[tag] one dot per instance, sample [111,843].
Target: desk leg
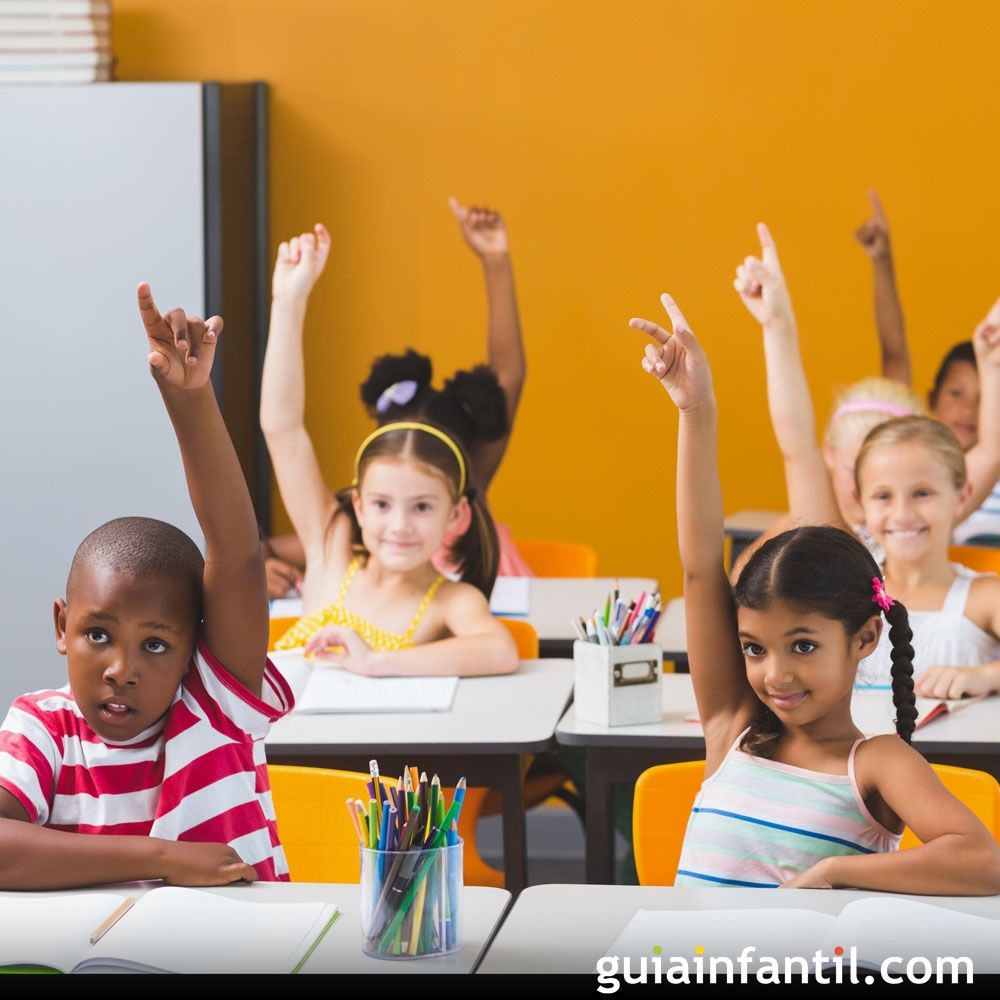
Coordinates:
[515,827]
[599,833]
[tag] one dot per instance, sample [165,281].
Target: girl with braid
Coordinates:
[794,794]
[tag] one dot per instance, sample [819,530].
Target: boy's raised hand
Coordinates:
[483,229]
[676,360]
[873,233]
[181,347]
[761,284]
[300,263]
[986,338]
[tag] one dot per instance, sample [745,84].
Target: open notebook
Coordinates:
[878,927]
[167,930]
[324,688]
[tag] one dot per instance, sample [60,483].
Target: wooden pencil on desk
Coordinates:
[120,911]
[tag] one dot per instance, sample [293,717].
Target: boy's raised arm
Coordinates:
[235,614]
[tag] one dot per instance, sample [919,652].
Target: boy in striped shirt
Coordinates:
[156,745]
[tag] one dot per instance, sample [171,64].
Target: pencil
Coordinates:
[120,911]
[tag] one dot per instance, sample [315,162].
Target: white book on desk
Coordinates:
[511,597]
[323,688]
[878,927]
[167,930]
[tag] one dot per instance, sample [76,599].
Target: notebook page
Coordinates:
[777,933]
[184,930]
[335,690]
[511,596]
[53,931]
[886,926]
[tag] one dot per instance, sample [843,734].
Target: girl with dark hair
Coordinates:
[476,406]
[371,596]
[794,794]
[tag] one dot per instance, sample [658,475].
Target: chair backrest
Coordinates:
[977,789]
[558,558]
[279,626]
[316,832]
[525,637]
[979,558]
[664,796]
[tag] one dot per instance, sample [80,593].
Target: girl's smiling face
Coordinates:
[405,510]
[802,665]
[909,499]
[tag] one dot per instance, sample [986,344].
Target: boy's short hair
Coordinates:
[142,547]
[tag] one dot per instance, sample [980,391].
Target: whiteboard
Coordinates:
[100,188]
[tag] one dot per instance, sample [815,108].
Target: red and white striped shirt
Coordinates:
[198,774]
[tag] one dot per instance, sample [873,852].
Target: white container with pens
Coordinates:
[618,666]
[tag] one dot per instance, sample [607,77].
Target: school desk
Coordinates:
[553,604]
[493,725]
[340,950]
[745,526]
[566,928]
[619,754]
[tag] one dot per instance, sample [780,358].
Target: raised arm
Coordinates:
[304,493]
[479,645]
[486,235]
[982,461]
[725,698]
[235,617]
[873,235]
[761,286]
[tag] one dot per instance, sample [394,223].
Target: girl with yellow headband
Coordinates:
[371,595]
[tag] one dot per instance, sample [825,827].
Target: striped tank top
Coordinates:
[760,823]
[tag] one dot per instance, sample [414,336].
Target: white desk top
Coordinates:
[974,730]
[340,950]
[515,713]
[566,928]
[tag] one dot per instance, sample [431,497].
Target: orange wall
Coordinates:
[632,145]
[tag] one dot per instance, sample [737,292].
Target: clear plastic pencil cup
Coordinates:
[411,902]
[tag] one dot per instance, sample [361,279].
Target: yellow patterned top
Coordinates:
[336,614]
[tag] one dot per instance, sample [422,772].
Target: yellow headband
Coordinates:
[409,425]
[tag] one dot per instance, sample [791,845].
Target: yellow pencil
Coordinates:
[354,819]
[418,917]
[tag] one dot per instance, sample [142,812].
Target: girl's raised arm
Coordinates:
[725,698]
[762,288]
[304,493]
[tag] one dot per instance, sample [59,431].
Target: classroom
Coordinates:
[357,563]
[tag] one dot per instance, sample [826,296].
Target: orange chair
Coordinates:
[279,626]
[315,829]
[979,558]
[665,794]
[558,558]
[977,789]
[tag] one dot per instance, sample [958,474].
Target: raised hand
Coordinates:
[181,347]
[300,263]
[986,338]
[483,229]
[676,360]
[761,284]
[873,233]
[194,864]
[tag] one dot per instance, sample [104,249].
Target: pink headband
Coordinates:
[871,406]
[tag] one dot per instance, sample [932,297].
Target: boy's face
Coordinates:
[128,643]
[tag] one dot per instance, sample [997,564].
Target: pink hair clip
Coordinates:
[879,596]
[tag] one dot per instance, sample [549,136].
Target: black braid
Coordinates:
[763,735]
[900,635]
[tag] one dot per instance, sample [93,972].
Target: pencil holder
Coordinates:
[618,685]
[411,902]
